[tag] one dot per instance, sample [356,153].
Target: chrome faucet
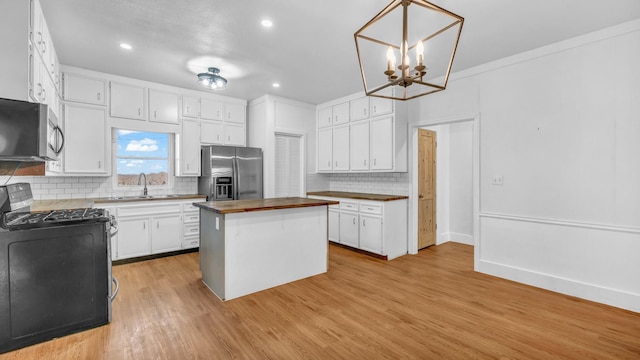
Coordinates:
[145,192]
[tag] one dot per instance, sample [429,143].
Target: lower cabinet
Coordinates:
[379,227]
[154,227]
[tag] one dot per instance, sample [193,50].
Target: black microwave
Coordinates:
[28,132]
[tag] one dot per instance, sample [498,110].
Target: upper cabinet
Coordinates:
[83,89]
[163,106]
[127,101]
[235,113]
[85,150]
[372,137]
[190,106]
[211,109]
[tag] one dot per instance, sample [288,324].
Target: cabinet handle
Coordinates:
[364,222]
[328,163]
[364,111]
[365,163]
[144,226]
[229,138]
[336,164]
[187,166]
[374,109]
[374,161]
[188,109]
[44,94]
[99,95]
[157,224]
[354,221]
[218,113]
[139,111]
[155,114]
[99,164]
[218,137]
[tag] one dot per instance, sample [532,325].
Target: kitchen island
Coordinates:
[252,245]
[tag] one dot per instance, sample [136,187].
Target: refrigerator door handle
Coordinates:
[236,179]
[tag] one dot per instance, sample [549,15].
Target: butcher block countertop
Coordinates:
[237,206]
[358,196]
[62,204]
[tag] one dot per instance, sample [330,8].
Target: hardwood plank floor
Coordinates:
[426,306]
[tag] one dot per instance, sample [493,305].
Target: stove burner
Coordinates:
[27,220]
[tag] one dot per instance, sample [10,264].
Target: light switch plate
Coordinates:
[498,180]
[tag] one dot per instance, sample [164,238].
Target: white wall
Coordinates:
[560,124]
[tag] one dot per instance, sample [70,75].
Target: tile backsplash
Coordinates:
[376,183]
[68,187]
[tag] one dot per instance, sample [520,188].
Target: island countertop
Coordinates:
[358,196]
[237,206]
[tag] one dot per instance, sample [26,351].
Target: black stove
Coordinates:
[16,220]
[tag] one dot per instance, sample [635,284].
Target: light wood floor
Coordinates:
[427,306]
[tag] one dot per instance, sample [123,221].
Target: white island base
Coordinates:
[245,252]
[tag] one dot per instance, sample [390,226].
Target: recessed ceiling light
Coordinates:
[266,23]
[126,46]
[276,85]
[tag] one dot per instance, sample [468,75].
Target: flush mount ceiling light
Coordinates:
[212,79]
[432,29]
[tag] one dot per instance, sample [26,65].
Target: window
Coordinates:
[142,152]
[289,166]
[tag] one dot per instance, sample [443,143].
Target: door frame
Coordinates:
[303,155]
[413,174]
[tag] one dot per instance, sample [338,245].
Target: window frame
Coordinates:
[170,163]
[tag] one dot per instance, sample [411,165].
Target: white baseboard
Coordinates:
[582,290]
[461,238]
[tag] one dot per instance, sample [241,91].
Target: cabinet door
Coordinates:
[35,85]
[133,237]
[359,145]
[211,109]
[334,225]
[190,106]
[235,113]
[163,106]
[127,101]
[85,139]
[382,136]
[371,233]
[190,148]
[166,233]
[83,89]
[234,134]
[341,148]
[349,227]
[360,108]
[325,149]
[325,117]
[211,132]
[341,113]
[381,106]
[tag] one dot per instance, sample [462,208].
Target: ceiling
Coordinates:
[309,51]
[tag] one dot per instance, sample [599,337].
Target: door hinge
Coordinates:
[436,226]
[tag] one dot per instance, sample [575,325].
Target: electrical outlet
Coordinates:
[497,180]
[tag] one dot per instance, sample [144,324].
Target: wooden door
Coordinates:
[426,188]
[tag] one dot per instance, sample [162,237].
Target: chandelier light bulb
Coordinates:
[419,52]
[391,59]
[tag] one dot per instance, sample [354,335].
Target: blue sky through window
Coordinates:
[142,151]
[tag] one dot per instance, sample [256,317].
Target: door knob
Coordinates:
[420,196]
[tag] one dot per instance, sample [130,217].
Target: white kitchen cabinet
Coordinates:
[341,113]
[211,109]
[149,227]
[234,134]
[189,149]
[359,108]
[83,89]
[359,145]
[191,219]
[127,101]
[334,225]
[325,117]
[190,106]
[211,132]
[325,149]
[349,228]
[341,148]
[133,237]
[235,113]
[380,106]
[166,233]
[385,149]
[379,227]
[85,149]
[163,106]
[382,135]
[371,233]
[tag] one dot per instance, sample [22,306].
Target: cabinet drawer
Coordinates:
[191,217]
[190,207]
[190,242]
[349,205]
[191,229]
[370,208]
[149,210]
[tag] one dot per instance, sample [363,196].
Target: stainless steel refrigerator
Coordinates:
[230,173]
